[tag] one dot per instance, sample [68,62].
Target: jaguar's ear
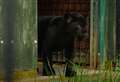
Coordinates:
[68,17]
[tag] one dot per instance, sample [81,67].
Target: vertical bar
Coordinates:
[111,8]
[1,34]
[91,33]
[26,35]
[9,26]
[102,30]
[114,31]
[94,34]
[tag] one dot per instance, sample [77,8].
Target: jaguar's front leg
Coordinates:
[69,68]
[47,64]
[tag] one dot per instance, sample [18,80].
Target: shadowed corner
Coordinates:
[9,26]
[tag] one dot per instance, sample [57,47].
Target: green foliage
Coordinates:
[90,75]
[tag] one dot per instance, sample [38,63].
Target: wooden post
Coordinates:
[91,34]
[94,34]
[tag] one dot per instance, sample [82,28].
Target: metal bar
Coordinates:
[9,25]
[102,30]
[91,34]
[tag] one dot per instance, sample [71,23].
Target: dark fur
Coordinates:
[57,33]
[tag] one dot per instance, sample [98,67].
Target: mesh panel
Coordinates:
[58,8]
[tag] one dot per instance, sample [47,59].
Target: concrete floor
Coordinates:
[59,68]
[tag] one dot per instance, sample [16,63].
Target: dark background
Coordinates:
[59,7]
[118,26]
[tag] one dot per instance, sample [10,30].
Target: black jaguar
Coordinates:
[56,33]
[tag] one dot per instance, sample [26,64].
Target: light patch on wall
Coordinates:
[35,41]
[24,37]
[25,5]
[1,41]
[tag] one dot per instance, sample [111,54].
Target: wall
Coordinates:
[59,7]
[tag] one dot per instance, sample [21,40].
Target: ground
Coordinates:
[83,75]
